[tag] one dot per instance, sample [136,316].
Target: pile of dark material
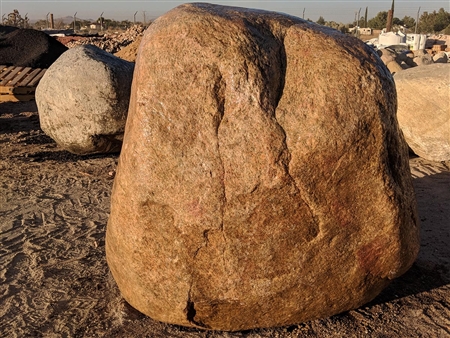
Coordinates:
[29,48]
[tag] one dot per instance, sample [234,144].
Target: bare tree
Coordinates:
[16,20]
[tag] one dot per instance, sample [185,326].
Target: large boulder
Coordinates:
[83,100]
[424,110]
[263,178]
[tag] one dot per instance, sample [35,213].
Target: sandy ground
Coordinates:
[54,280]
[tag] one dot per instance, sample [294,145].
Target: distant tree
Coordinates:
[408,22]
[343,28]
[425,23]
[16,20]
[434,22]
[442,20]
[379,21]
[40,24]
[446,31]
[108,23]
[84,23]
[361,22]
[397,21]
[60,24]
[125,24]
[338,26]
[321,21]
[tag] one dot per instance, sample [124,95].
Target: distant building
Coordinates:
[94,26]
[365,31]
[360,31]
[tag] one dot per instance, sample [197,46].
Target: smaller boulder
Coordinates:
[424,110]
[423,60]
[83,100]
[394,67]
[440,57]
[387,55]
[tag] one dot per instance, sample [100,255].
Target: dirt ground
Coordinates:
[54,280]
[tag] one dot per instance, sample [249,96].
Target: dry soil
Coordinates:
[54,280]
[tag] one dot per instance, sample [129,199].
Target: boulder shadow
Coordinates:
[21,117]
[62,156]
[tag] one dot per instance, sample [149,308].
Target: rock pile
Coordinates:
[29,48]
[398,60]
[111,43]
[254,187]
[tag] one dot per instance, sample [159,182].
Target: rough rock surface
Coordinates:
[29,48]
[254,188]
[424,60]
[83,100]
[424,110]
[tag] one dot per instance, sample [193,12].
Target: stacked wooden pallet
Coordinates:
[19,83]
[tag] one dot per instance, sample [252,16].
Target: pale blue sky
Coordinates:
[336,10]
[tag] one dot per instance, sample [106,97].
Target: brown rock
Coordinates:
[394,67]
[424,60]
[424,110]
[259,183]
[387,55]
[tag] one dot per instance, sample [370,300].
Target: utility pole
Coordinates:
[74,21]
[144,17]
[417,21]
[46,17]
[390,18]
[101,22]
[303,13]
[389,21]
[365,18]
[134,18]
[359,13]
[356,13]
